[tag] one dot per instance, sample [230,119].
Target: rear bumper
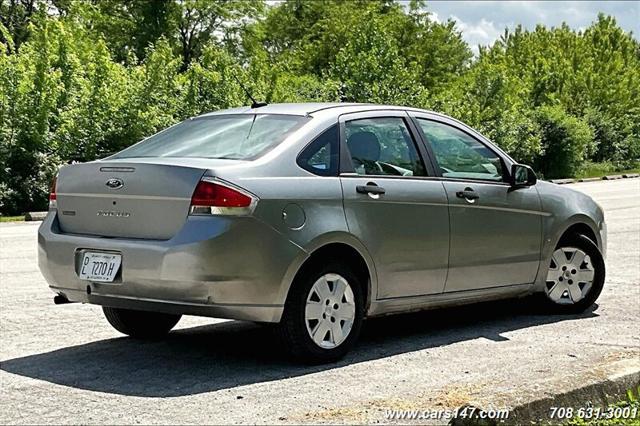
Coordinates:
[214,266]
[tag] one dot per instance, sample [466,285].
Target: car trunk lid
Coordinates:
[125,199]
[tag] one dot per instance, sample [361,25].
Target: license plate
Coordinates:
[101,267]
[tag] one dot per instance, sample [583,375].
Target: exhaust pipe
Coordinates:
[60,299]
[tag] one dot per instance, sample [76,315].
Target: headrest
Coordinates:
[364,146]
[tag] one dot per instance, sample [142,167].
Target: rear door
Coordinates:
[392,204]
[495,230]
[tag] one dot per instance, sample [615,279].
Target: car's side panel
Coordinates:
[496,240]
[301,208]
[406,231]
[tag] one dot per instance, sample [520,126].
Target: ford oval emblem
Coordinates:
[114,183]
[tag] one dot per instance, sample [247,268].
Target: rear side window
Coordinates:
[235,137]
[321,156]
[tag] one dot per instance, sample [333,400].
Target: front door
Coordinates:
[391,204]
[495,230]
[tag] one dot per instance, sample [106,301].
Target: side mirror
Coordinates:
[522,176]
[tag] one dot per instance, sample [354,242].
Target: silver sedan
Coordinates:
[314,216]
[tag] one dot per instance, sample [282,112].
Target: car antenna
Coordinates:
[254,104]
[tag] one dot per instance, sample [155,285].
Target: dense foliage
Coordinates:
[81,79]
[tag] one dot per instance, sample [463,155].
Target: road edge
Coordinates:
[594,179]
[601,394]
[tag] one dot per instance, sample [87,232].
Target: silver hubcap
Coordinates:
[330,311]
[570,276]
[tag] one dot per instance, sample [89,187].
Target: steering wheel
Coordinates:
[387,169]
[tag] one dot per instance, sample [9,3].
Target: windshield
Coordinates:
[236,137]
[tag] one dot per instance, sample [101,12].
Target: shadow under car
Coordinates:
[226,355]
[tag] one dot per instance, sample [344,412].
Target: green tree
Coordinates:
[29,96]
[128,27]
[311,35]
[436,48]
[201,21]
[372,69]
[567,142]
[15,16]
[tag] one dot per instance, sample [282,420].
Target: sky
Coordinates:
[482,22]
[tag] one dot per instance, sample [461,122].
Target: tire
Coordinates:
[295,328]
[140,324]
[574,278]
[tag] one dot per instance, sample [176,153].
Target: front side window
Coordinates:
[460,155]
[382,146]
[235,137]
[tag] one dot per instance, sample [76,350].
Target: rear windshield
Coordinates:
[236,137]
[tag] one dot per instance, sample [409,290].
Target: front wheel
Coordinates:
[140,324]
[323,314]
[575,276]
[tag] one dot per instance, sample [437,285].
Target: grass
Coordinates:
[602,169]
[12,218]
[630,406]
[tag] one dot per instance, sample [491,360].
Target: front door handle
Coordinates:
[468,194]
[371,189]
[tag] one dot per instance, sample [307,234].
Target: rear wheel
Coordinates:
[575,276]
[323,314]
[140,324]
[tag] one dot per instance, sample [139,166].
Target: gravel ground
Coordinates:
[64,364]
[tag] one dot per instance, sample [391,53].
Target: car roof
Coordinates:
[308,108]
[334,109]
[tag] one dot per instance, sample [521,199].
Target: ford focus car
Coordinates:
[314,216]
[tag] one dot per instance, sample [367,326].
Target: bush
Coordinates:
[591,169]
[567,142]
[617,139]
[517,134]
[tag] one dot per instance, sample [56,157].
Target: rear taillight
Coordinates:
[53,198]
[213,197]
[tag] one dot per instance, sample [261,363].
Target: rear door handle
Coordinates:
[370,189]
[468,194]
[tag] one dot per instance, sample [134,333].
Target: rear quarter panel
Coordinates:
[307,210]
